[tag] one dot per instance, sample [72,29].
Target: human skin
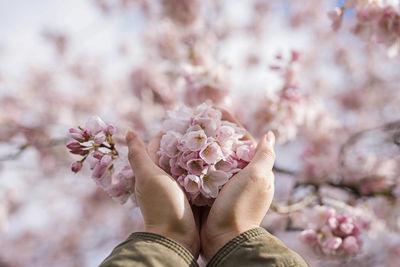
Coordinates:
[240,206]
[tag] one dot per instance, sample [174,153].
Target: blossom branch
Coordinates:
[22,148]
[296,206]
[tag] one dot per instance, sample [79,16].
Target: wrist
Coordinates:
[212,241]
[186,240]
[215,240]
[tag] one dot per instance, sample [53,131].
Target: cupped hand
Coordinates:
[165,208]
[243,201]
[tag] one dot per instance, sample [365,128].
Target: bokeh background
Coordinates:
[325,80]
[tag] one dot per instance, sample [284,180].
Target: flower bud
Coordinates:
[73,145]
[97,154]
[87,134]
[101,166]
[346,227]
[109,130]
[79,152]
[76,134]
[333,223]
[350,245]
[308,236]
[95,125]
[333,243]
[99,138]
[76,166]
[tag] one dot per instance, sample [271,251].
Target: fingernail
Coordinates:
[270,138]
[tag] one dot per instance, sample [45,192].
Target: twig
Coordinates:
[294,207]
[284,171]
[23,147]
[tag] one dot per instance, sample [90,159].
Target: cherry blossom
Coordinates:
[333,234]
[202,151]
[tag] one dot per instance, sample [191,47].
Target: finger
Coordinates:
[228,117]
[154,146]
[138,157]
[264,157]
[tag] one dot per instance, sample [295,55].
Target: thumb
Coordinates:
[265,154]
[137,155]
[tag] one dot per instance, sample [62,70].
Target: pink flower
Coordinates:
[331,231]
[224,165]
[169,142]
[209,112]
[192,183]
[95,125]
[76,166]
[350,245]
[212,181]
[100,172]
[212,153]
[245,152]
[79,151]
[99,138]
[225,133]
[195,140]
[98,154]
[92,161]
[347,227]
[333,243]
[336,17]
[329,213]
[308,236]
[184,157]
[176,170]
[209,125]
[195,166]
[74,145]
[122,186]
[77,134]
[333,223]
[229,166]
[109,130]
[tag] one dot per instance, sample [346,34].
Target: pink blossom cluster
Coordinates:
[371,162]
[283,110]
[376,19]
[202,151]
[333,234]
[109,166]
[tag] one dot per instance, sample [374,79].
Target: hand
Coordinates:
[165,208]
[243,201]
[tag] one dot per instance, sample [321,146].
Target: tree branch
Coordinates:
[22,148]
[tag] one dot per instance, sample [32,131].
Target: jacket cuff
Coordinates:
[172,245]
[236,243]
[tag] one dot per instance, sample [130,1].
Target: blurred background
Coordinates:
[324,75]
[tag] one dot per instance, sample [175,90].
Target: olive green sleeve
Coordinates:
[150,250]
[256,247]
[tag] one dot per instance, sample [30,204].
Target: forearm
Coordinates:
[151,250]
[256,247]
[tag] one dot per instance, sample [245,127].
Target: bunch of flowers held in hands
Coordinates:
[333,234]
[202,151]
[199,149]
